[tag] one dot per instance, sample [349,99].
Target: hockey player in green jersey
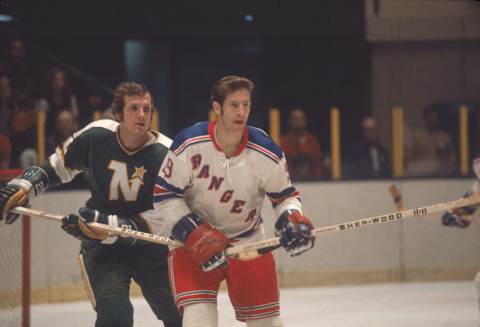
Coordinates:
[122,160]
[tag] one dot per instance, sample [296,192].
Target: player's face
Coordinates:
[137,114]
[235,110]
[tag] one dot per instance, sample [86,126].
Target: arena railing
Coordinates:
[398,155]
[335,134]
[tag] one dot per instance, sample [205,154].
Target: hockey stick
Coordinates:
[123,231]
[397,197]
[253,250]
[111,230]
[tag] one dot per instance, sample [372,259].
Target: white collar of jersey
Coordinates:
[132,152]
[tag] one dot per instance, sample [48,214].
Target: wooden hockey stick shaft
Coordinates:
[253,250]
[397,197]
[398,200]
[122,231]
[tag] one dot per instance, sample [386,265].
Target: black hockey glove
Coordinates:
[453,220]
[460,217]
[77,226]
[32,181]
[294,229]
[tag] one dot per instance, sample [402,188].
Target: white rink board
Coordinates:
[419,244]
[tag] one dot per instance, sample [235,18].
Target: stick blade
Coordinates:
[397,197]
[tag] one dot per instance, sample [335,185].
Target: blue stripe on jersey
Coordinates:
[199,129]
[262,151]
[259,137]
[190,142]
[285,192]
[169,187]
[163,197]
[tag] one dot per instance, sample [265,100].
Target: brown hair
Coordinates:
[127,89]
[228,84]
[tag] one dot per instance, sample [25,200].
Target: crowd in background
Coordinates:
[27,88]
[429,151]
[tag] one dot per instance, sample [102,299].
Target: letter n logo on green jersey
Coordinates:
[120,183]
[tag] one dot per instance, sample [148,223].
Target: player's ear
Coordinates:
[216,107]
[119,115]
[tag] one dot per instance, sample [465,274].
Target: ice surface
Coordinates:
[445,304]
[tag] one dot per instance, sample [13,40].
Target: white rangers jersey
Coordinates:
[228,193]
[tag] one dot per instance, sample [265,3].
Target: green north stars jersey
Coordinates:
[121,181]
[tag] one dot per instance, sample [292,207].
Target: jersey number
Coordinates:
[167,170]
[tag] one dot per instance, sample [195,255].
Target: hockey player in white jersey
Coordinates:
[462,217]
[209,194]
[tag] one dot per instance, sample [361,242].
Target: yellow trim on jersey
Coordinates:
[86,282]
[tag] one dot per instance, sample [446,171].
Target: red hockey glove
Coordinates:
[205,246]
[202,242]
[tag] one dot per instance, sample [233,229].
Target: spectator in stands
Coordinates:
[93,103]
[15,65]
[58,96]
[66,125]
[304,166]
[432,152]
[302,150]
[6,114]
[367,158]
[5,151]
[24,132]
[6,104]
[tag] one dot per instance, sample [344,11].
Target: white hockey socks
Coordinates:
[266,322]
[200,315]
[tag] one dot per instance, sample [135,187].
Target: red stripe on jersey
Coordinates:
[159,190]
[243,143]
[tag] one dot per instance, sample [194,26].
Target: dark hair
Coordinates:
[296,108]
[24,102]
[15,38]
[127,89]
[91,89]
[67,89]
[228,84]
[431,108]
